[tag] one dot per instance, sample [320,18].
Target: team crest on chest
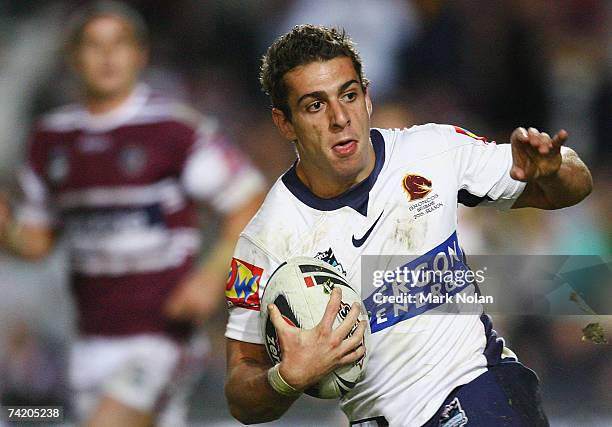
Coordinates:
[416,186]
[421,198]
[132,160]
[91,144]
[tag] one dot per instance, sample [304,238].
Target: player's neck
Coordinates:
[328,187]
[324,188]
[97,103]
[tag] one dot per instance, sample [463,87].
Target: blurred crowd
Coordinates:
[488,66]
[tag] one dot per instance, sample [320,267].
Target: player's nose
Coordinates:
[339,116]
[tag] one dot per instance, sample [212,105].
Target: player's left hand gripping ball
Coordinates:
[301,289]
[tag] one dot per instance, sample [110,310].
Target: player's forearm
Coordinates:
[32,243]
[571,184]
[250,396]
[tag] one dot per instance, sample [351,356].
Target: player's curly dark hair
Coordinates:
[302,45]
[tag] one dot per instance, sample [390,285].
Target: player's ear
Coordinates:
[368,101]
[283,124]
[144,56]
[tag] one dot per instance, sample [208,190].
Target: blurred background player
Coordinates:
[119,173]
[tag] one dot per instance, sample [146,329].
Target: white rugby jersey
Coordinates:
[408,205]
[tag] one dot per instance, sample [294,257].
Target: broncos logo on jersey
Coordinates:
[416,186]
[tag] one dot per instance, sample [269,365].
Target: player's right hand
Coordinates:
[310,354]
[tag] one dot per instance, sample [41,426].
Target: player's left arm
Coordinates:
[556,177]
[202,293]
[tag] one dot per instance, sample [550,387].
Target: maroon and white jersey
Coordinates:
[122,186]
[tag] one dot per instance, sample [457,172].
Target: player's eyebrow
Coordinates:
[346,85]
[321,94]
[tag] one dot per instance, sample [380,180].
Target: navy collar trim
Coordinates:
[356,197]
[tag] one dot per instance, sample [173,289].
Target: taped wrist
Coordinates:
[279,384]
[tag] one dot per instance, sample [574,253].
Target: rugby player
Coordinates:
[357,191]
[120,173]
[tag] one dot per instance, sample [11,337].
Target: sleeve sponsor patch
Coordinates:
[470,134]
[242,288]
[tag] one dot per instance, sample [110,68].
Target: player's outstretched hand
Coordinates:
[310,354]
[535,154]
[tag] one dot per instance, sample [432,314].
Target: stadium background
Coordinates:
[488,66]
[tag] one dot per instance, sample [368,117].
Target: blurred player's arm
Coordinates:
[308,356]
[28,241]
[556,177]
[218,174]
[202,293]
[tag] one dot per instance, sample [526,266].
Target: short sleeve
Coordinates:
[250,269]
[482,169]
[34,205]
[217,172]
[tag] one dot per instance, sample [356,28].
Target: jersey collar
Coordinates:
[118,116]
[357,197]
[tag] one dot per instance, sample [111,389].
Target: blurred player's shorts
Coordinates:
[151,373]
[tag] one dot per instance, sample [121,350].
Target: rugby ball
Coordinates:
[301,289]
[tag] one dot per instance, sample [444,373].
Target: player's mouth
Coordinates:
[345,148]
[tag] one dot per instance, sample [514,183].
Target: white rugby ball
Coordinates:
[301,289]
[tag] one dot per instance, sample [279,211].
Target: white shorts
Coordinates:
[150,373]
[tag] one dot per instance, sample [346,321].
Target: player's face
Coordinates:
[330,124]
[109,58]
